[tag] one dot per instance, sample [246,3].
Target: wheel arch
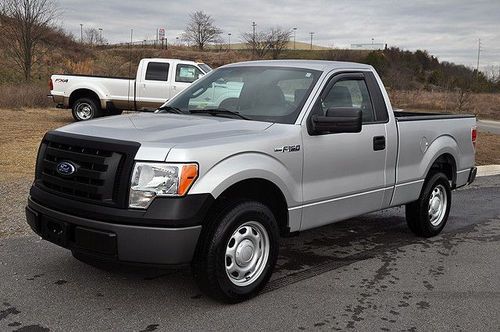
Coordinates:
[442,155]
[253,189]
[85,93]
[446,164]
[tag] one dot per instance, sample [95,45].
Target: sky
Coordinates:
[448,29]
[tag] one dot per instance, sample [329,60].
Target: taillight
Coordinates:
[51,85]
[473,136]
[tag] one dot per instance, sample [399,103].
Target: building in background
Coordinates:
[369,46]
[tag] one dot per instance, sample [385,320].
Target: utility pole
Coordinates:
[100,36]
[294,32]
[478,56]
[229,41]
[130,55]
[253,39]
[311,33]
[81,33]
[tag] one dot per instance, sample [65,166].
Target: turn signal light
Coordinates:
[188,175]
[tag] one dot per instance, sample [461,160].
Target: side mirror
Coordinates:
[337,120]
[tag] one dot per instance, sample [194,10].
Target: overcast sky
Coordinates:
[448,29]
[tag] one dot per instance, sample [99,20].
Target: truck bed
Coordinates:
[425,135]
[98,76]
[421,116]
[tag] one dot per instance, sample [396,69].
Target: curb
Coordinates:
[488,170]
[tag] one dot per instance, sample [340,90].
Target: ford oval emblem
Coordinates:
[65,168]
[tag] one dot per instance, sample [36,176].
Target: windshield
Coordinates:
[273,94]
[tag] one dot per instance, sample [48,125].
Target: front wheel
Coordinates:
[237,252]
[85,109]
[428,215]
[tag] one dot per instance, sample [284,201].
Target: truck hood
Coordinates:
[158,133]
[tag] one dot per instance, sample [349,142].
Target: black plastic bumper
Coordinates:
[472,175]
[164,234]
[163,211]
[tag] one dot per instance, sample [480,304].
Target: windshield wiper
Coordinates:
[219,111]
[170,109]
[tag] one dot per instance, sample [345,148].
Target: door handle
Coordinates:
[378,143]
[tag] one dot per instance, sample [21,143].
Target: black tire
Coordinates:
[83,106]
[418,215]
[209,264]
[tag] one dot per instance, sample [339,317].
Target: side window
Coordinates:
[350,93]
[157,71]
[187,73]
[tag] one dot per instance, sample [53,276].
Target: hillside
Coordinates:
[61,53]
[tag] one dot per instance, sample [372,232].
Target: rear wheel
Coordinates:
[237,252]
[86,109]
[428,215]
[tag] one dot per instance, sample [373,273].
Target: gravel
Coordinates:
[13,194]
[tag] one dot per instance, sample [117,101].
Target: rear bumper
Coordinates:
[60,101]
[472,175]
[111,241]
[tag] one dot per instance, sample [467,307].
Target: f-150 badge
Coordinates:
[288,148]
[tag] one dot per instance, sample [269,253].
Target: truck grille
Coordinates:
[100,169]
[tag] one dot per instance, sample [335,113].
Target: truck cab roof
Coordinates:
[321,65]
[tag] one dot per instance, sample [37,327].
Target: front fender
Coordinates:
[246,166]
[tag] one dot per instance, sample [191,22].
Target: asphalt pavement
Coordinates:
[365,274]
[489,126]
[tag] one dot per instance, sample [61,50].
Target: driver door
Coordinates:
[185,74]
[344,173]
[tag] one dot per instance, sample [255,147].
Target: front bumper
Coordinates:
[112,241]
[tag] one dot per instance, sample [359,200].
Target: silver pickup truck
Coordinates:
[304,144]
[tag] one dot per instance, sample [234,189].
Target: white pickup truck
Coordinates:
[157,80]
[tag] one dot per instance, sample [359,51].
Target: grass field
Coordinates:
[22,130]
[483,105]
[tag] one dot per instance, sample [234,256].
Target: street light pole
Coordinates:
[100,36]
[253,38]
[81,33]
[311,33]
[294,32]
[229,41]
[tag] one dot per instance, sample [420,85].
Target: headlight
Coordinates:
[159,179]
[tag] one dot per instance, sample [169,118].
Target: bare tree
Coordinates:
[277,40]
[258,42]
[463,100]
[201,30]
[93,36]
[25,23]
[274,41]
